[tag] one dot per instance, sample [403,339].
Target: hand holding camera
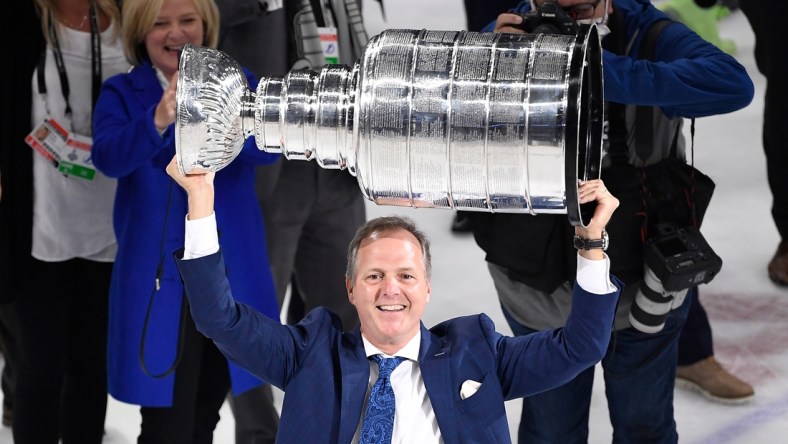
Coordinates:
[548,18]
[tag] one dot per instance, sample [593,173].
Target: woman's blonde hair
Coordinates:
[140,15]
[47,11]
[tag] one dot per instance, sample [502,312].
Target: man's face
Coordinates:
[390,289]
[582,9]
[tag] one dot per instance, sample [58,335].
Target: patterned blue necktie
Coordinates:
[379,419]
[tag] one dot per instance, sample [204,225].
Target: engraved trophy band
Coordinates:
[428,119]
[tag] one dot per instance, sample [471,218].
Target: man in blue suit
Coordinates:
[454,379]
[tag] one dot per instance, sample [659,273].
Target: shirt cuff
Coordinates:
[201,238]
[594,276]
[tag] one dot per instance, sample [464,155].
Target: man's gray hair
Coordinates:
[387,224]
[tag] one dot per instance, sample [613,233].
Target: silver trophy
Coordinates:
[428,119]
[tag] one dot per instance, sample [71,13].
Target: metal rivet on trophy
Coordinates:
[428,119]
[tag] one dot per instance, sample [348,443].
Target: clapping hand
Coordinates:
[164,114]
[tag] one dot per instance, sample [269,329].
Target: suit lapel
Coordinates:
[354,369]
[435,363]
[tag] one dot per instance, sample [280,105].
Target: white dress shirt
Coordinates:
[414,419]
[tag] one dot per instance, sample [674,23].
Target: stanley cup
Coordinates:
[427,119]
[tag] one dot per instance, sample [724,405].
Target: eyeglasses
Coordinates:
[582,11]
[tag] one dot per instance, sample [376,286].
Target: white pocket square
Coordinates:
[469,388]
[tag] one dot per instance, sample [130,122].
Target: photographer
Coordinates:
[655,76]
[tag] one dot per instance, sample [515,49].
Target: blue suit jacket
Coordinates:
[325,372]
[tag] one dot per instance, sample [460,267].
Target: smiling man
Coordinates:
[448,383]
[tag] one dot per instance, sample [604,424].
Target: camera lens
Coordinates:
[653,303]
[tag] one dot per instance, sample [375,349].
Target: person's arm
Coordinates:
[201,238]
[544,360]
[690,77]
[593,266]
[239,331]
[507,21]
[124,133]
[606,204]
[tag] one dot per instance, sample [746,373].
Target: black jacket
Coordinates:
[16,157]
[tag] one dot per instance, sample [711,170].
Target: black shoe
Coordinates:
[8,416]
[461,223]
[778,267]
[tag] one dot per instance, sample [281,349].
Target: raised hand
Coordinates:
[165,110]
[595,190]
[199,188]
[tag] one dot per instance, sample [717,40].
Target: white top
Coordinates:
[414,417]
[72,217]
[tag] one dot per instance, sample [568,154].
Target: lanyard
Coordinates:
[95,56]
[324,13]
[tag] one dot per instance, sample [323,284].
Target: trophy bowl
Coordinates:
[209,128]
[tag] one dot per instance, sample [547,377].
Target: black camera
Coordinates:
[675,260]
[681,258]
[549,18]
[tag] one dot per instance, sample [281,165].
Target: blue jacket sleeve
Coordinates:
[124,136]
[690,77]
[540,361]
[263,346]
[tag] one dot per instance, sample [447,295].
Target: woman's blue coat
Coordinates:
[149,225]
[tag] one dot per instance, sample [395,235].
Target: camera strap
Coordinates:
[653,155]
[644,115]
[644,118]
[618,148]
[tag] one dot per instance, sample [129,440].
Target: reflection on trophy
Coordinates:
[438,119]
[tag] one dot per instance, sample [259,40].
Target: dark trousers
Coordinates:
[695,342]
[9,333]
[639,371]
[310,218]
[256,418]
[767,19]
[202,380]
[61,382]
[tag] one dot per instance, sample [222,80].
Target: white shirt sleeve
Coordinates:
[201,238]
[594,276]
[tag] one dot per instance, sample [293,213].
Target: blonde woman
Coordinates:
[157,359]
